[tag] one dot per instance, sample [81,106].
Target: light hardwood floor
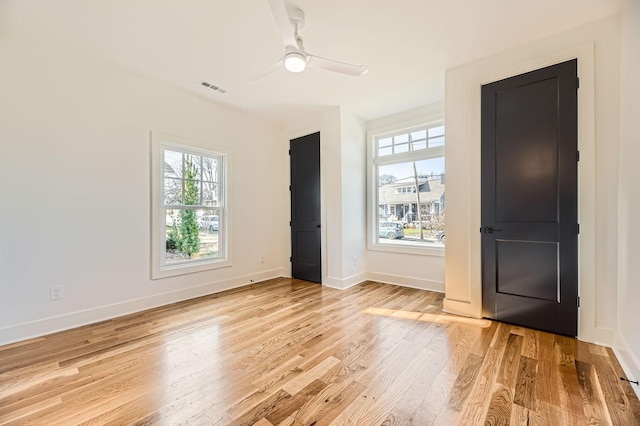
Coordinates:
[288,352]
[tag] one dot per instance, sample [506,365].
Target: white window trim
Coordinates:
[159,270]
[432,120]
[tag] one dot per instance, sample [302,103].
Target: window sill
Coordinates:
[408,248]
[188,268]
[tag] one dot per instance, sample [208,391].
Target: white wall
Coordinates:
[628,336]
[75,185]
[596,46]
[331,167]
[354,190]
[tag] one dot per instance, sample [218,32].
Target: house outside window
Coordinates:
[189,207]
[408,176]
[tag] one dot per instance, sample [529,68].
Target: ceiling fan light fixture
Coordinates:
[295,62]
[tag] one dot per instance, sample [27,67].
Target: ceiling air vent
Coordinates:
[213,87]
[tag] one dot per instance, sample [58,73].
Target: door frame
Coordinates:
[463,268]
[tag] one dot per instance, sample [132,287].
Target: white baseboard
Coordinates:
[598,335]
[628,360]
[418,283]
[41,327]
[404,281]
[459,307]
[332,282]
[344,283]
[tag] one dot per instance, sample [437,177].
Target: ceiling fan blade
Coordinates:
[265,71]
[283,21]
[337,66]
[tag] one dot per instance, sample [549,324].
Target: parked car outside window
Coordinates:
[390,230]
[209,222]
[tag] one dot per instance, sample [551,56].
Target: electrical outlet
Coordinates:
[355,260]
[56,292]
[261,259]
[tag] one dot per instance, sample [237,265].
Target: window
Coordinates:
[189,208]
[406,190]
[408,177]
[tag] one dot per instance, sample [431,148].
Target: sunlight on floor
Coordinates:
[439,318]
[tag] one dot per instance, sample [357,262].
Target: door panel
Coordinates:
[529,199]
[305,208]
[526,153]
[527,268]
[520,310]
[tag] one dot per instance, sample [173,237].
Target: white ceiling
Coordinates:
[407,44]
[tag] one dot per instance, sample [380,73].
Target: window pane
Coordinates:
[210,194]
[209,169]
[436,131]
[192,166]
[191,235]
[191,195]
[384,151]
[172,163]
[385,142]
[430,167]
[399,221]
[401,148]
[172,218]
[401,139]
[420,134]
[172,191]
[439,141]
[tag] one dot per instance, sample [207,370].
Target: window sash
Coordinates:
[419,139]
[199,179]
[218,254]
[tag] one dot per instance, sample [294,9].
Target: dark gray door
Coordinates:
[529,195]
[305,208]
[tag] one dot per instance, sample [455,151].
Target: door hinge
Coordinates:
[578,229]
[578,301]
[577,83]
[289,187]
[577,155]
[289,223]
[289,152]
[291,259]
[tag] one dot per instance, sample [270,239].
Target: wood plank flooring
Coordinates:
[288,352]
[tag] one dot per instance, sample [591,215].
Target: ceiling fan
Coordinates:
[295,58]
